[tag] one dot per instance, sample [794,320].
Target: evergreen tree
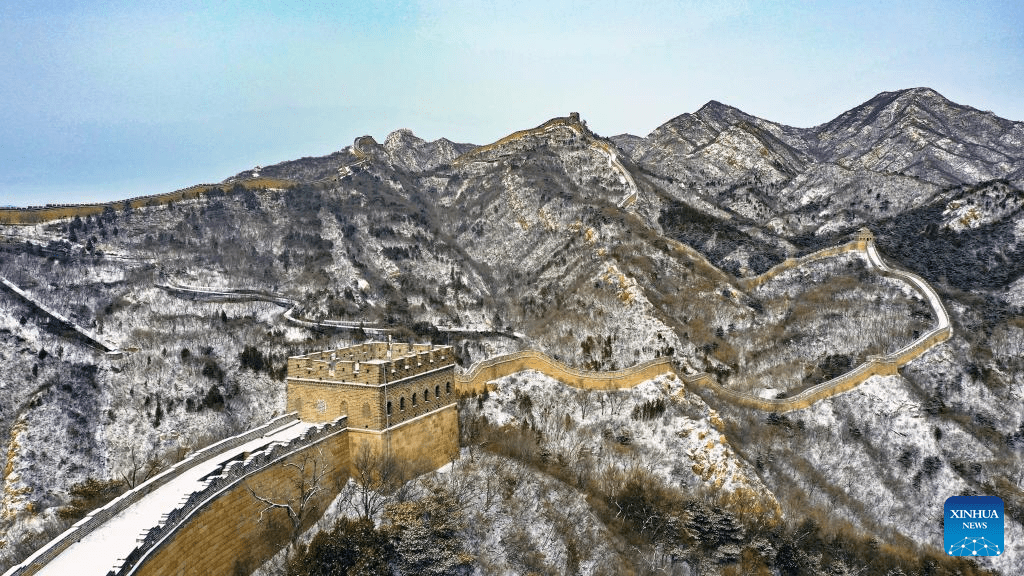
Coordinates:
[427,535]
[717,531]
[352,548]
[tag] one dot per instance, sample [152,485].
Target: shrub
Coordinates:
[649,510]
[250,357]
[351,547]
[213,400]
[89,495]
[212,370]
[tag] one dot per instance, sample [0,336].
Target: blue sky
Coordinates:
[104,100]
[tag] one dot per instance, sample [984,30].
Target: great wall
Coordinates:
[202,516]
[577,126]
[214,528]
[88,336]
[291,305]
[881,365]
[475,380]
[40,214]
[370,328]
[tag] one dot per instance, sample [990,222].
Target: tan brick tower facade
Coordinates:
[398,397]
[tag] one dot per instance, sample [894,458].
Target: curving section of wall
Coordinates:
[476,378]
[87,335]
[291,305]
[218,529]
[790,263]
[883,365]
[85,526]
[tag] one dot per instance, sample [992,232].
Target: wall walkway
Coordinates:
[218,530]
[236,295]
[790,263]
[244,295]
[85,527]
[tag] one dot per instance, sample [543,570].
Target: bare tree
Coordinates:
[297,496]
[138,470]
[582,398]
[497,468]
[378,477]
[615,401]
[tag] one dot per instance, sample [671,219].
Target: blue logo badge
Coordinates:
[973,526]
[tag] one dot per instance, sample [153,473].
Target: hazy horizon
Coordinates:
[128,99]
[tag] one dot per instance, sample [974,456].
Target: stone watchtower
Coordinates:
[399,398]
[863,238]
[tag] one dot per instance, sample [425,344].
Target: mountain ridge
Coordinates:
[600,252]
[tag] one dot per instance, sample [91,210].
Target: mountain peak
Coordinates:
[922,95]
[716,109]
[720,116]
[901,99]
[919,92]
[402,137]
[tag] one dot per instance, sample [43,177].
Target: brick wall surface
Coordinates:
[366,363]
[226,534]
[425,443]
[366,406]
[315,402]
[442,381]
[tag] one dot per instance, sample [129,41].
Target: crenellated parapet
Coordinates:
[373,363]
[395,395]
[166,549]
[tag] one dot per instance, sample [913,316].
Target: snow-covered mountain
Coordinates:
[602,252]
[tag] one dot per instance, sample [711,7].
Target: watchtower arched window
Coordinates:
[389,407]
[401,403]
[413,398]
[426,395]
[437,391]
[447,387]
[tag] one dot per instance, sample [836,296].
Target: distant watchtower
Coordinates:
[863,237]
[398,397]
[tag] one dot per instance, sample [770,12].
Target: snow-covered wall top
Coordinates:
[94,519]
